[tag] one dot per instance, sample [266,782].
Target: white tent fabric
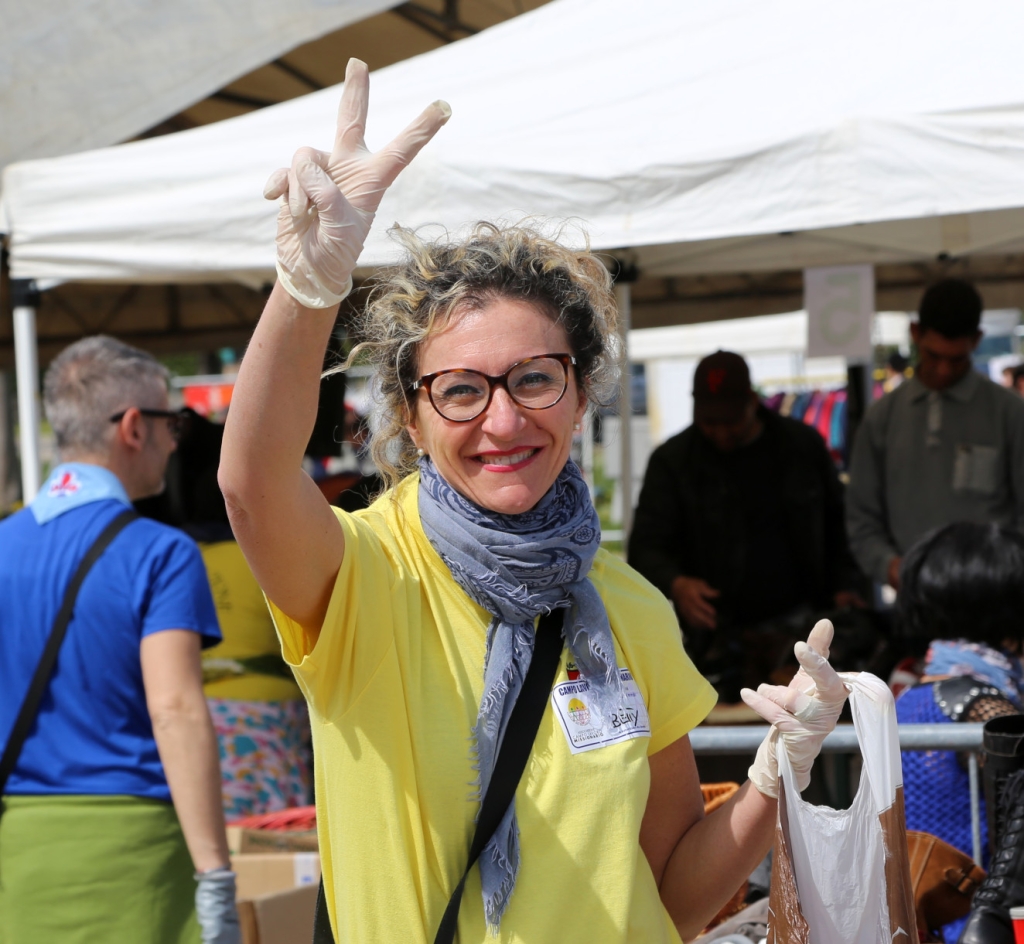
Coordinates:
[94,72]
[744,134]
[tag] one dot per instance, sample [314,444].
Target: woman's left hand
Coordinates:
[802,714]
[331,198]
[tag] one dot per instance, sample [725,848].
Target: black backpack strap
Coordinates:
[322,933]
[44,671]
[509,765]
[513,754]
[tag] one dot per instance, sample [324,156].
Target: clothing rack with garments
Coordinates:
[825,410]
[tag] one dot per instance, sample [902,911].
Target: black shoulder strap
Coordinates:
[41,680]
[956,696]
[508,769]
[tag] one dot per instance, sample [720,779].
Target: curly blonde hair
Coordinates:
[439,279]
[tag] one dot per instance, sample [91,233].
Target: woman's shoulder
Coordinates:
[389,513]
[390,526]
[626,592]
[609,568]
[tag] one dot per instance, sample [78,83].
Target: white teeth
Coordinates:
[508,460]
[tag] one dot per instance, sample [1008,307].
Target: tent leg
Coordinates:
[26,298]
[587,451]
[622,299]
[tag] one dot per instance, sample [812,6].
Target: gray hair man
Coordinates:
[118,779]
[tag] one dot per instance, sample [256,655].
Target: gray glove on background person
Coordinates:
[215,907]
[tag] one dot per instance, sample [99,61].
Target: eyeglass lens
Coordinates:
[535,384]
[176,424]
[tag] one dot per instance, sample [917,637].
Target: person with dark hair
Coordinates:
[965,578]
[257,708]
[947,445]
[740,524]
[960,604]
[895,371]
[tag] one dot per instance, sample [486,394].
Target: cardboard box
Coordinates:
[282,918]
[264,873]
[276,895]
[241,839]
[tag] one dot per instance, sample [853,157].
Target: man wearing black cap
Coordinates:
[740,519]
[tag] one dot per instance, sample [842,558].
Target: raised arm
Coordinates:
[285,527]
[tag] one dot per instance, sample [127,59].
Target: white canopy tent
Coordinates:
[869,132]
[92,73]
[746,135]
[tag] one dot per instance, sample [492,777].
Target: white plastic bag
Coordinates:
[843,876]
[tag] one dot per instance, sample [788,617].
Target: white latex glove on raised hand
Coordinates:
[330,199]
[802,714]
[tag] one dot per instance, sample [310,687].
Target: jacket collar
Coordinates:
[962,391]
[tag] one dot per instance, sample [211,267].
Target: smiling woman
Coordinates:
[480,297]
[487,352]
[412,625]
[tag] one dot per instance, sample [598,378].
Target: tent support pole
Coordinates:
[25,296]
[622,300]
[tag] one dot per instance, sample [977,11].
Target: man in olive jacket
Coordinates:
[740,519]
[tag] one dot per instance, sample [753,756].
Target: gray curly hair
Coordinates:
[89,382]
[440,279]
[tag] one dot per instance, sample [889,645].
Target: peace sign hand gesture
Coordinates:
[329,200]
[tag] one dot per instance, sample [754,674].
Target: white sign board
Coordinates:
[840,303]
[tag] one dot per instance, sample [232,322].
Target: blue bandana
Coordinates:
[73,484]
[959,657]
[518,567]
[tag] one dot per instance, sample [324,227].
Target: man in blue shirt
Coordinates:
[115,798]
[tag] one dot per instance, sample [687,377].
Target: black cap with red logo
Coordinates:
[721,387]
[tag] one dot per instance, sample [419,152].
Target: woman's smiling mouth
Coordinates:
[507,462]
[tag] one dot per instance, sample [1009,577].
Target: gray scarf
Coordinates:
[518,567]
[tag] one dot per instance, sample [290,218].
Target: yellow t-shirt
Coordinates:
[246,625]
[394,684]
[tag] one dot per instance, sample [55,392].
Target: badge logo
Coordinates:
[66,485]
[579,712]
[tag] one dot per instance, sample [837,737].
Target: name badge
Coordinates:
[584,730]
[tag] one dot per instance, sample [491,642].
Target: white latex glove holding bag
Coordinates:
[801,714]
[329,200]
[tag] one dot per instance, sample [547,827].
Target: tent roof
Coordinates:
[166,317]
[876,132]
[70,82]
[98,72]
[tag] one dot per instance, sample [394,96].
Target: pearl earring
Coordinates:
[420,453]
[577,426]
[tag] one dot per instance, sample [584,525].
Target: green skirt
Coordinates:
[94,870]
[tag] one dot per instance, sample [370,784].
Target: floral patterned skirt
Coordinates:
[265,755]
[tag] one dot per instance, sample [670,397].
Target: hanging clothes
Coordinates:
[824,410]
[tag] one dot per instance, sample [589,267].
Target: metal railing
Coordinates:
[966,738]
